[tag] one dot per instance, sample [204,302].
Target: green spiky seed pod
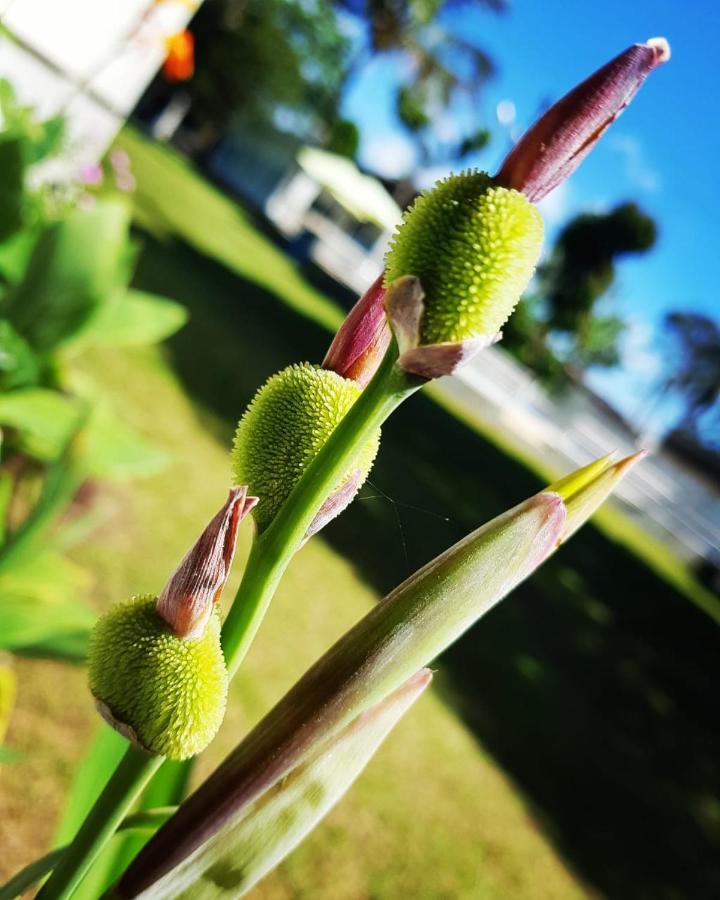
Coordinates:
[474,247]
[286,424]
[165,693]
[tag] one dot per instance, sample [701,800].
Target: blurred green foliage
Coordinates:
[66,259]
[557,327]
[253,57]
[694,376]
[289,64]
[442,66]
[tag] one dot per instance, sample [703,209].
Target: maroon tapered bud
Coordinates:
[195,587]
[558,142]
[362,339]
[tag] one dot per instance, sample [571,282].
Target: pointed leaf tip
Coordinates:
[572,482]
[624,465]
[585,490]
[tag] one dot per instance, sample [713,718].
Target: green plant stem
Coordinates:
[147,820]
[270,555]
[275,547]
[127,781]
[62,481]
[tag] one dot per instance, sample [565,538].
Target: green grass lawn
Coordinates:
[572,730]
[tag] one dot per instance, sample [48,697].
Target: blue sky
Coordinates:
[662,152]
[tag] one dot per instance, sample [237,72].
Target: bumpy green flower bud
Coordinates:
[165,693]
[474,247]
[289,420]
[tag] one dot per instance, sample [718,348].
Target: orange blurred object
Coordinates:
[179,63]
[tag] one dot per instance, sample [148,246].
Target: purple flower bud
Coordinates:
[91,174]
[362,339]
[125,182]
[195,587]
[558,142]
[119,160]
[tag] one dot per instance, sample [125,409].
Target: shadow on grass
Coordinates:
[594,686]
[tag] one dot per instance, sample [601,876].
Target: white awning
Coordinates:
[362,195]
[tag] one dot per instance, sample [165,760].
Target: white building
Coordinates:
[346,217]
[88,59]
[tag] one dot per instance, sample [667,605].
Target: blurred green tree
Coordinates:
[582,266]
[444,66]
[344,138]
[558,327]
[254,56]
[695,372]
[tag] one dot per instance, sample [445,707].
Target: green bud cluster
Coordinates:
[286,424]
[170,692]
[474,247]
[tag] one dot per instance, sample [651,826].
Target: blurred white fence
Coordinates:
[668,498]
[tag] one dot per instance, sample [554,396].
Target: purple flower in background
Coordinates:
[125,182]
[91,174]
[119,161]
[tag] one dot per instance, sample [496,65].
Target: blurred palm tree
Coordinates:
[695,371]
[256,57]
[445,66]
[558,328]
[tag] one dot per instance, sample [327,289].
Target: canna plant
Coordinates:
[58,430]
[159,665]
[66,258]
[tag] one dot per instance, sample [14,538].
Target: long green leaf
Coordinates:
[12,173]
[102,758]
[30,875]
[44,419]
[136,318]
[41,606]
[78,265]
[15,253]
[115,451]
[7,483]
[19,364]
[241,853]
[165,791]
[145,823]
[62,479]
